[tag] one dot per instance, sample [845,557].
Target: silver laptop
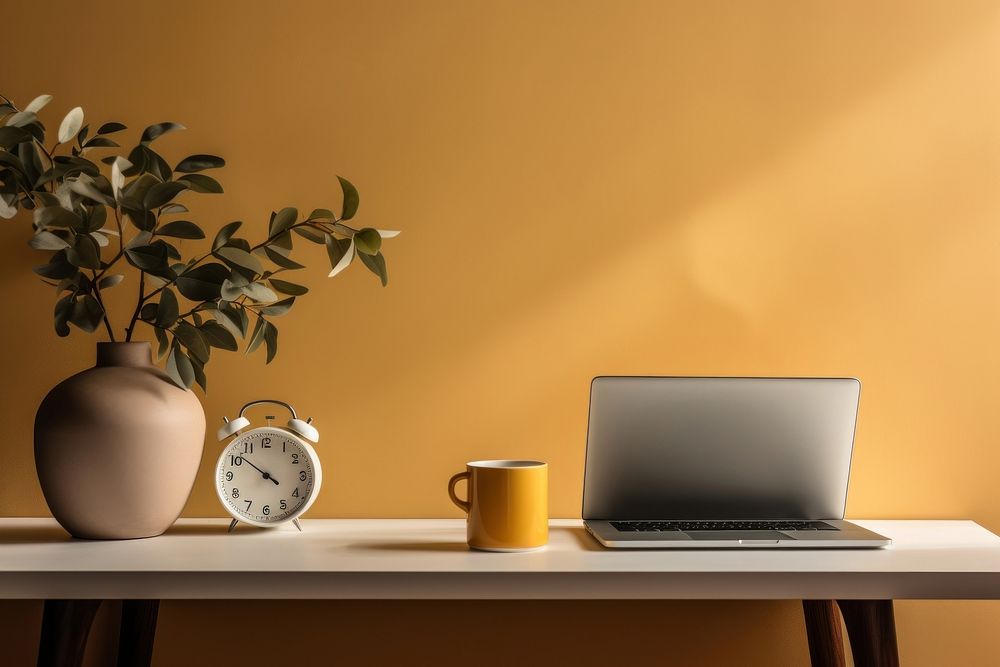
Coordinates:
[682,462]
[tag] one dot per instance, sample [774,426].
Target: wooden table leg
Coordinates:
[65,628]
[871,628]
[826,643]
[138,630]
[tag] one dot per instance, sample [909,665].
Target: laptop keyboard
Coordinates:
[687,526]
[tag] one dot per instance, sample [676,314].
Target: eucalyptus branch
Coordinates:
[142,192]
[270,239]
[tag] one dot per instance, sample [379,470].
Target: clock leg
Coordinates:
[297,524]
[232,525]
[65,627]
[138,630]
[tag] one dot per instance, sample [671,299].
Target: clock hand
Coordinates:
[264,474]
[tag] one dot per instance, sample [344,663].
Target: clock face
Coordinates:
[267,476]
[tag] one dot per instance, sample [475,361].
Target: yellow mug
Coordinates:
[508,504]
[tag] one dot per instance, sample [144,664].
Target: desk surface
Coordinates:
[428,559]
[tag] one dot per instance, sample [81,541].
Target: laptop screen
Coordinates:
[719,448]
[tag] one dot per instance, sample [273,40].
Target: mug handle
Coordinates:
[455,479]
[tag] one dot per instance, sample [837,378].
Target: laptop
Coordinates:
[721,462]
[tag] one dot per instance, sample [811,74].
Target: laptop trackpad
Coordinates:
[733,535]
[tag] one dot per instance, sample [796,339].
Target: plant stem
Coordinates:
[104,311]
[144,298]
[138,306]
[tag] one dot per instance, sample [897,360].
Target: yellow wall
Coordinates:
[779,187]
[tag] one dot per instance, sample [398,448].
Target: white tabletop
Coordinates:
[428,559]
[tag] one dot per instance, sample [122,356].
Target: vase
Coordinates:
[117,446]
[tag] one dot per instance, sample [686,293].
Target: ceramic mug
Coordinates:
[507,503]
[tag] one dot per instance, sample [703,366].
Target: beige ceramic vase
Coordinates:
[117,447]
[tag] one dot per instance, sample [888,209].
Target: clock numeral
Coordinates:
[249,503]
[266,510]
[235,460]
[229,475]
[265,443]
[295,493]
[248,448]
[283,447]
[302,476]
[295,459]
[235,492]
[283,505]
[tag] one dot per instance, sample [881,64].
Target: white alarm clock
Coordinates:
[269,475]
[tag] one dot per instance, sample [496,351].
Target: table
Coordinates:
[428,559]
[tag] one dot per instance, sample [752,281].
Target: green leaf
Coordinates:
[281,260]
[260,293]
[201,183]
[163,342]
[110,281]
[376,264]
[224,234]
[57,217]
[37,104]
[85,253]
[278,307]
[282,243]
[161,193]
[87,313]
[351,199]
[181,229]
[142,238]
[63,310]
[322,214]
[11,136]
[153,132]
[155,164]
[270,340]
[168,310]
[152,257]
[57,268]
[173,207]
[141,218]
[199,374]
[341,252]
[12,160]
[194,163]
[192,339]
[70,125]
[148,312]
[83,186]
[97,215]
[111,128]
[101,142]
[286,287]
[23,119]
[44,240]
[310,233]
[179,368]
[257,337]
[218,336]
[368,241]
[202,283]
[233,318]
[282,220]
[240,258]
[232,287]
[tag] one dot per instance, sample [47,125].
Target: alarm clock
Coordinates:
[268,476]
